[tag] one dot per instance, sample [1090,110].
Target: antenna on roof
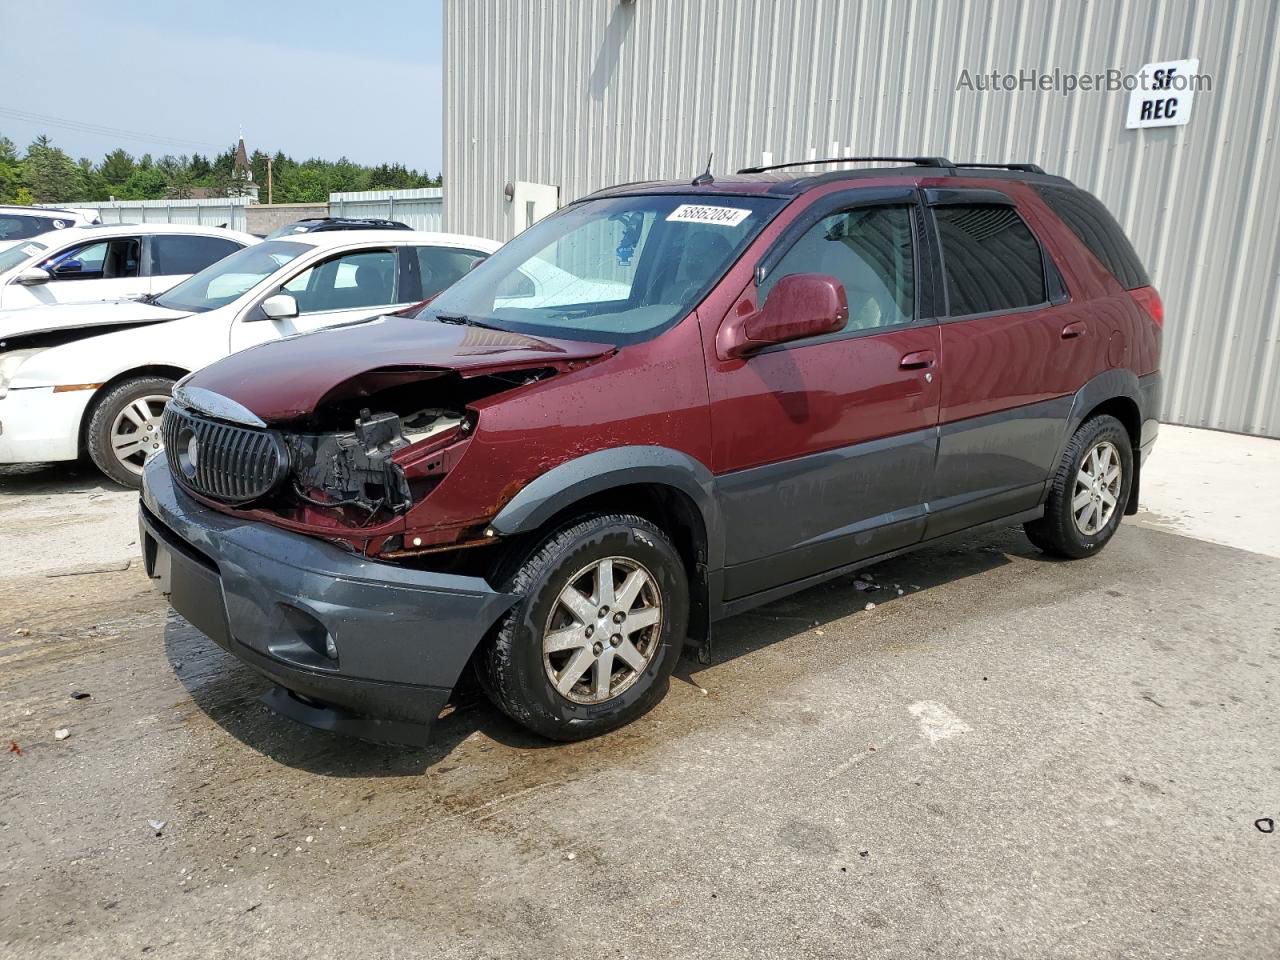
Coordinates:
[705,177]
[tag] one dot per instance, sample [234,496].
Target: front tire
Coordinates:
[1089,492]
[124,428]
[599,627]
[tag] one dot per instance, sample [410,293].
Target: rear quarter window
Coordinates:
[1095,227]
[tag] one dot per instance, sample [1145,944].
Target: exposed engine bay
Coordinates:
[356,469]
[339,466]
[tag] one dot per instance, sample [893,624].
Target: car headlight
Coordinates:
[9,364]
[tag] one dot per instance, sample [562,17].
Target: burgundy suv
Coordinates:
[663,405]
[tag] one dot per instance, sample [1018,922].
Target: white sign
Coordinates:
[1163,95]
[700,213]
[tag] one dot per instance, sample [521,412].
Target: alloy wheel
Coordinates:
[1097,488]
[603,631]
[135,432]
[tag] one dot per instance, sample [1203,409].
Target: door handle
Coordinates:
[1073,330]
[918,360]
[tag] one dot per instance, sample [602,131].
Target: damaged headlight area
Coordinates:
[9,364]
[357,468]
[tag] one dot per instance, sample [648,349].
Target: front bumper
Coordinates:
[274,598]
[39,426]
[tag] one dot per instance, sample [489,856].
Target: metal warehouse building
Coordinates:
[546,101]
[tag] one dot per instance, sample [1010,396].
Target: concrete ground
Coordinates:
[1015,757]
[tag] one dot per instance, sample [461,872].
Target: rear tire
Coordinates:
[1089,491]
[599,627]
[124,428]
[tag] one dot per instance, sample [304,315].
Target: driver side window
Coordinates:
[363,278]
[98,260]
[869,250]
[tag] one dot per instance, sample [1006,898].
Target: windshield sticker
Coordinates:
[58,224]
[31,249]
[719,216]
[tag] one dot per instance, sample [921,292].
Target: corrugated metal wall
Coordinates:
[420,208]
[588,93]
[210,213]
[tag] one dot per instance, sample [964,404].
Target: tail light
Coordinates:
[1149,300]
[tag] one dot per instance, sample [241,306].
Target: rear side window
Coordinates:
[172,255]
[18,226]
[1094,226]
[869,251]
[991,260]
[440,267]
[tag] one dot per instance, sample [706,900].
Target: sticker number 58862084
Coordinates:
[701,213]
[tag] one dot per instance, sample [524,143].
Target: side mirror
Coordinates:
[800,305]
[476,262]
[281,306]
[33,276]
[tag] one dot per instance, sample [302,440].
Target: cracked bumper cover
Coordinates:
[274,599]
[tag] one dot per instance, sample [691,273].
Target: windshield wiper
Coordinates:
[463,320]
[148,298]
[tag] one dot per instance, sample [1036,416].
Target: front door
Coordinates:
[96,270]
[340,289]
[824,448]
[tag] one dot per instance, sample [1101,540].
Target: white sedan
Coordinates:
[109,262]
[95,377]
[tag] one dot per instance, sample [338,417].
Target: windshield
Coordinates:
[616,270]
[220,283]
[13,256]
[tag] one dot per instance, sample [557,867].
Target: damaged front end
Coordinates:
[358,469]
[376,447]
[344,433]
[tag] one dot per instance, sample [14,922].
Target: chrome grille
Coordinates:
[226,462]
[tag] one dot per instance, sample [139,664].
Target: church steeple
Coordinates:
[241,164]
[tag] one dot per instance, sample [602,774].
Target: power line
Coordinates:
[81,126]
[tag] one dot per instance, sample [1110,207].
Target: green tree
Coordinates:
[177,175]
[10,171]
[304,184]
[148,184]
[51,175]
[95,186]
[200,167]
[117,167]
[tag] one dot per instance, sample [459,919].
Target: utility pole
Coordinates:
[269,200]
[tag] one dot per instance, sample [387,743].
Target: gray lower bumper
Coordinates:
[275,599]
[1152,390]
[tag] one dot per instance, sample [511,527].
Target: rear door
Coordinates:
[171,258]
[824,448]
[1008,338]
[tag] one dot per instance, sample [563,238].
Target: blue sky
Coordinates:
[323,78]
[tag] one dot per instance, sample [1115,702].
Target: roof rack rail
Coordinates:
[914,161]
[1023,167]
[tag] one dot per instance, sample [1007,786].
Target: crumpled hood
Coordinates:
[290,378]
[71,316]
